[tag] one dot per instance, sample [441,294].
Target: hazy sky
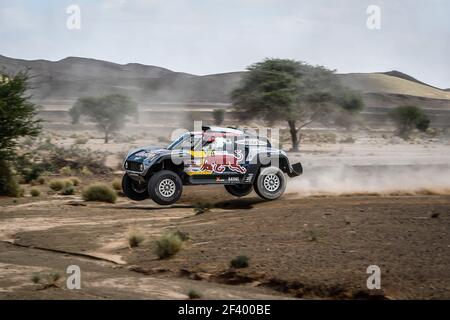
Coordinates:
[212,36]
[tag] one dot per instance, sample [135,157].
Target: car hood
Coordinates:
[142,153]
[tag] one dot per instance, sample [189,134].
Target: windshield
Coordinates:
[186,141]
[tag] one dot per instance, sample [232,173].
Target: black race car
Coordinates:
[234,158]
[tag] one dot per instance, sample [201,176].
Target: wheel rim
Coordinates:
[167,188]
[271,182]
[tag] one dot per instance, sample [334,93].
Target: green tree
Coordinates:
[292,91]
[219,116]
[408,118]
[108,112]
[17,120]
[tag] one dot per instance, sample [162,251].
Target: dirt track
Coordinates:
[316,247]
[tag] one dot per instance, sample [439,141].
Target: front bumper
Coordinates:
[295,170]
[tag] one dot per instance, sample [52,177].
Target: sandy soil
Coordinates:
[373,202]
[315,247]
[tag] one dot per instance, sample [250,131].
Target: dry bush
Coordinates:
[168,245]
[41,180]
[59,184]
[240,262]
[86,172]
[8,181]
[65,171]
[192,294]
[81,140]
[202,207]
[135,239]
[99,192]
[76,182]
[117,184]
[35,192]
[68,190]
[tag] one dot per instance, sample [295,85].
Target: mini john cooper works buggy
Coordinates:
[239,161]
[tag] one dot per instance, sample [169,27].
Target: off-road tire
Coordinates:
[270,183]
[165,187]
[239,190]
[132,190]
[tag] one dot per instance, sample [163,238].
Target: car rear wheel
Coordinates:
[133,189]
[165,187]
[270,183]
[239,190]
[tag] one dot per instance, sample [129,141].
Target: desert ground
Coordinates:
[375,201]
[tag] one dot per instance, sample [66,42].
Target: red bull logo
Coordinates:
[219,162]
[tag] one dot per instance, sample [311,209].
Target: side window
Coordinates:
[221,144]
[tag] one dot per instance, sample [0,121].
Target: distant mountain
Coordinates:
[404,76]
[71,78]
[386,84]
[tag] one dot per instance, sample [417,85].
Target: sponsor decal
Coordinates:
[220,179]
[218,162]
[233,179]
[249,177]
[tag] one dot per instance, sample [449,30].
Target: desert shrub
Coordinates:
[328,138]
[192,294]
[99,192]
[28,167]
[423,124]
[135,239]
[81,140]
[59,184]
[202,207]
[75,181]
[35,278]
[35,192]
[312,235]
[117,184]
[65,171]
[86,172]
[240,262]
[47,280]
[407,118]
[348,139]
[321,137]
[41,180]
[168,245]
[53,277]
[68,190]
[8,182]
[184,236]
[75,158]
[47,157]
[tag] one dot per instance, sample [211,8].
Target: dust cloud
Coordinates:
[373,180]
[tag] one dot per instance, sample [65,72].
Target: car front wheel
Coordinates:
[270,183]
[239,190]
[165,187]
[133,189]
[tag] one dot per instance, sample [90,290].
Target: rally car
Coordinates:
[238,160]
